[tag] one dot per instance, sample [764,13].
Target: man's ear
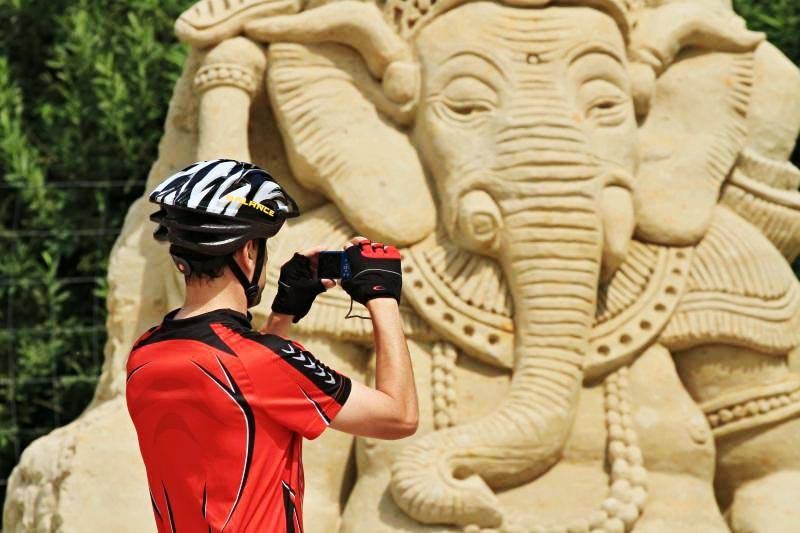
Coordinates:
[246,257]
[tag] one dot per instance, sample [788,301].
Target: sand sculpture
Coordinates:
[597,217]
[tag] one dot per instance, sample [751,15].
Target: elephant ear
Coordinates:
[339,143]
[695,126]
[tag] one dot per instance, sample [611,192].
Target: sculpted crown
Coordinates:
[408,16]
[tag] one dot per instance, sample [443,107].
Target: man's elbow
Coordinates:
[403,427]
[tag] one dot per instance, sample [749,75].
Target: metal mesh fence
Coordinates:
[52,317]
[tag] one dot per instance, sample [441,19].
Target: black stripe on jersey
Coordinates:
[289,511]
[318,407]
[327,380]
[135,370]
[155,505]
[203,506]
[235,393]
[169,509]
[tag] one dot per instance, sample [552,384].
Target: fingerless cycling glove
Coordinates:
[375,272]
[297,288]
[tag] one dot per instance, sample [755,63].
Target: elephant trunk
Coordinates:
[552,259]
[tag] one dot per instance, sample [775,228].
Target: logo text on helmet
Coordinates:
[250,203]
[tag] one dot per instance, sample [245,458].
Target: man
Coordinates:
[220,409]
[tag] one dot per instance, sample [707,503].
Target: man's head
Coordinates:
[217,215]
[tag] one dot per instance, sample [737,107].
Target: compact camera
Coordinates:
[333,265]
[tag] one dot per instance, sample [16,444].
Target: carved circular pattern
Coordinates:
[619,340]
[491,343]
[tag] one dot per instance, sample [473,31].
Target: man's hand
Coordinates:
[375,271]
[298,286]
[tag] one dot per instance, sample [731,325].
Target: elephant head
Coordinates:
[538,125]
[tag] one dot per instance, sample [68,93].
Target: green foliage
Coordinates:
[84,88]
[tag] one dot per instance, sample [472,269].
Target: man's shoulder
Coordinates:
[290,353]
[274,343]
[145,337]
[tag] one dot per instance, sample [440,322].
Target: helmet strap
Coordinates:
[250,286]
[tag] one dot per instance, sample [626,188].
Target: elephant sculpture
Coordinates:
[597,218]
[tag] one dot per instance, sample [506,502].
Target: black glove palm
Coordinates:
[297,288]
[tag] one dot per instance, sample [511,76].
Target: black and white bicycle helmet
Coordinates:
[212,208]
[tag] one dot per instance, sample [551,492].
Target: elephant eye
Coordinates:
[467,99]
[604,103]
[468,109]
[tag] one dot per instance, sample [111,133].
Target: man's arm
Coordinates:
[390,410]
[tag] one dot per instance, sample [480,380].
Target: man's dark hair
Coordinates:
[203,266]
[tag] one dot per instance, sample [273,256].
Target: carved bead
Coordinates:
[751,407]
[629,513]
[621,490]
[638,476]
[763,405]
[713,419]
[620,469]
[617,450]
[725,415]
[639,497]
[739,411]
[441,420]
[612,402]
[613,418]
[615,432]
[596,518]
[614,525]
[634,456]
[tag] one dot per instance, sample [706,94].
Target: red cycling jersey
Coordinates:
[220,411]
